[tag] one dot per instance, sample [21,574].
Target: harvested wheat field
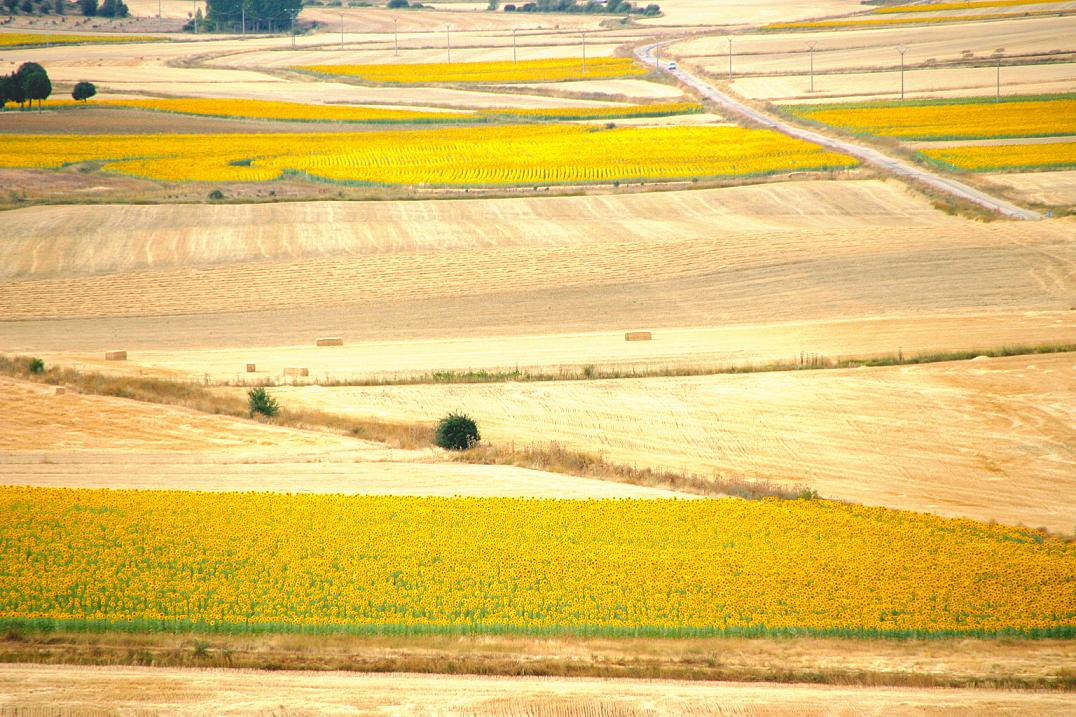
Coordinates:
[74,440]
[50,241]
[78,690]
[1048,188]
[989,439]
[672,349]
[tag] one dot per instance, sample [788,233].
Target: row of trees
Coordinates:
[107,8]
[611,7]
[89,8]
[28,83]
[257,14]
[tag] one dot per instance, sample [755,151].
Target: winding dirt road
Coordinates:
[734,108]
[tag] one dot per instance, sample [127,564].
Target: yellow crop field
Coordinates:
[549,70]
[661,109]
[1039,118]
[887,21]
[273,562]
[296,111]
[16,39]
[974,5]
[989,158]
[511,154]
[264,109]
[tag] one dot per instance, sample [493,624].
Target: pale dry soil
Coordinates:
[86,690]
[990,439]
[863,64]
[83,441]
[1048,188]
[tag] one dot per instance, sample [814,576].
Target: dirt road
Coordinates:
[61,690]
[734,108]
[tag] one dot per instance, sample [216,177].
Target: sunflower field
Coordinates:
[453,156]
[253,562]
[548,70]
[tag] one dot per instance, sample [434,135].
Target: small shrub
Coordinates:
[457,432]
[216,194]
[36,365]
[261,402]
[84,91]
[201,649]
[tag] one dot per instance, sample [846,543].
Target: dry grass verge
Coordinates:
[804,362]
[555,458]
[1012,664]
[196,397]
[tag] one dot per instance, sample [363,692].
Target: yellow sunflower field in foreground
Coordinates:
[455,156]
[244,562]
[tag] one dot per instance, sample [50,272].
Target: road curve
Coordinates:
[866,154]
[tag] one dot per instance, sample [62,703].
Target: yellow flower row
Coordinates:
[262,109]
[477,155]
[1007,156]
[255,561]
[948,121]
[883,21]
[15,39]
[549,70]
[662,109]
[974,5]
[265,109]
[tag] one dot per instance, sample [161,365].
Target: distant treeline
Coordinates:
[610,7]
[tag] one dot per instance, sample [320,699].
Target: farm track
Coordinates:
[905,170]
[76,690]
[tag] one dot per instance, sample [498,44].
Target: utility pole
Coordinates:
[514,31]
[341,30]
[810,46]
[730,40]
[243,12]
[902,49]
[448,45]
[395,35]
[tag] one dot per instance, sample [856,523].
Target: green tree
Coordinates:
[59,8]
[13,90]
[457,432]
[260,402]
[83,91]
[88,7]
[35,82]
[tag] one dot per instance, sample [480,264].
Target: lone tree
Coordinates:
[260,402]
[35,82]
[88,7]
[83,91]
[457,432]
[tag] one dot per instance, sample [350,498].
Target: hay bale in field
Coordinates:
[296,372]
[251,368]
[59,390]
[329,341]
[115,355]
[638,336]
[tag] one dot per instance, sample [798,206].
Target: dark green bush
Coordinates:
[36,365]
[457,432]
[261,402]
